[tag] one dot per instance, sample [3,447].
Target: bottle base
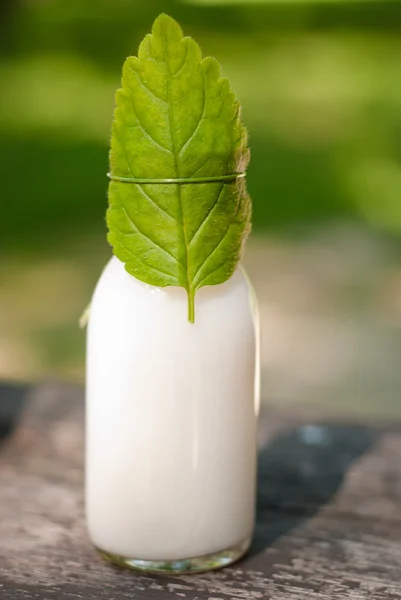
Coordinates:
[200,564]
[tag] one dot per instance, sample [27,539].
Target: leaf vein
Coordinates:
[145,87]
[209,275]
[210,255]
[184,62]
[173,143]
[207,215]
[145,263]
[201,167]
[137,230]
[203,117]
[141,126]
[142,189]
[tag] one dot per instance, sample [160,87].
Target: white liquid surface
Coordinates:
[171,418]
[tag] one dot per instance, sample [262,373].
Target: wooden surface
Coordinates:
[328,527]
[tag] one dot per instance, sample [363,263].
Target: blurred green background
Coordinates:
[320,84]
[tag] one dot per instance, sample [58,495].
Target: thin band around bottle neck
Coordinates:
[185,180]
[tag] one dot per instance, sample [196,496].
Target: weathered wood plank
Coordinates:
[329,522]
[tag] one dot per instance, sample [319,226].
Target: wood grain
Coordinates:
[329,518]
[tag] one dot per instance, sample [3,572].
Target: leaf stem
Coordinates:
[191,306]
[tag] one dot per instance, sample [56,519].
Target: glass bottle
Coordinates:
[171,423]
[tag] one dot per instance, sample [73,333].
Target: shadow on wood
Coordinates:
[12,400]
[300,471]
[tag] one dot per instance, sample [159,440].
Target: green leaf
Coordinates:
[177,118]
